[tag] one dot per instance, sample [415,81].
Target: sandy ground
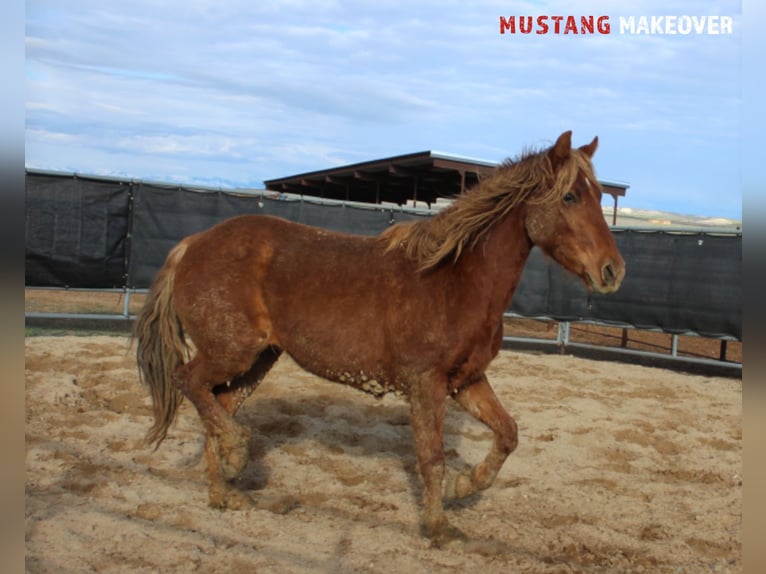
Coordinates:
[620,468]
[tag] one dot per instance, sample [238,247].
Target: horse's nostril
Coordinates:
[608,274]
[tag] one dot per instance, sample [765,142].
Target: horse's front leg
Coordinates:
[427,406]
[480,401]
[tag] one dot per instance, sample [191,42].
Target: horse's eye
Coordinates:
[570,198]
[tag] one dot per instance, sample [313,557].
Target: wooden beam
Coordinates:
[361,176]
[334,180]
[461,166]
[613,190]
[400,171]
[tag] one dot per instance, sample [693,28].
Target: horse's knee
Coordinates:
[508,437]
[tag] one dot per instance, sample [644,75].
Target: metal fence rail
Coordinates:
[562,343]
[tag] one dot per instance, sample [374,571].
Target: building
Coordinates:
[416,179]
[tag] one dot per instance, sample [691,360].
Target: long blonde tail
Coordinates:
[161,347]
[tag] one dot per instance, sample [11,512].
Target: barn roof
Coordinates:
[419,177]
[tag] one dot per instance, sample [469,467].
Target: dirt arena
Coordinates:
[620,468]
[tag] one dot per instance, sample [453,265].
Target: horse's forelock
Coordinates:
[564,178]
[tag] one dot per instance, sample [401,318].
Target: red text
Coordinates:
[555,24]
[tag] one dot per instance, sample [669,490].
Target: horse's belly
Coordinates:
[370,382]
[339,356]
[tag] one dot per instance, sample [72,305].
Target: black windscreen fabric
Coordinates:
[76,231]
[85,232]
[339,217]
[677,282]
[547,290]
[162,216]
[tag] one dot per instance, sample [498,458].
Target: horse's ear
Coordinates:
[562,148]
[590,148]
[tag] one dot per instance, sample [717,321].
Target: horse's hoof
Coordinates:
[485,547]
[228,498]
[234,455]
[453,540]
[446,537]
[277,504]
[457,485]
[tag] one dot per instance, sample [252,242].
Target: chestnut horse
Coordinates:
[417,310]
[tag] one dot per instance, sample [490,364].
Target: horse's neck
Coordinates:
[499,258]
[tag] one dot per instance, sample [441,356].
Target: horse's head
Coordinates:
[566,222]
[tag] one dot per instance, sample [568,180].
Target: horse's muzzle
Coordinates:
[612,274]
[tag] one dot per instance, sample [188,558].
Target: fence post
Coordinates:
[562,338]
[126,306]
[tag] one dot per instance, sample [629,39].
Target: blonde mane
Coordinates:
[530,178]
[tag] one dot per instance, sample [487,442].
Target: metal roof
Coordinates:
[419,177]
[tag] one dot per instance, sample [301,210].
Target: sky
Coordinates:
[231,93]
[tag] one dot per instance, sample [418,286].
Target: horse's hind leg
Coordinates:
[226,450]
[231,396]
[480,401]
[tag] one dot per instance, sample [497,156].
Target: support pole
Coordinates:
[126,306]
[724,345]
[562,338]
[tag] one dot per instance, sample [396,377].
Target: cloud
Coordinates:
[255,90]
